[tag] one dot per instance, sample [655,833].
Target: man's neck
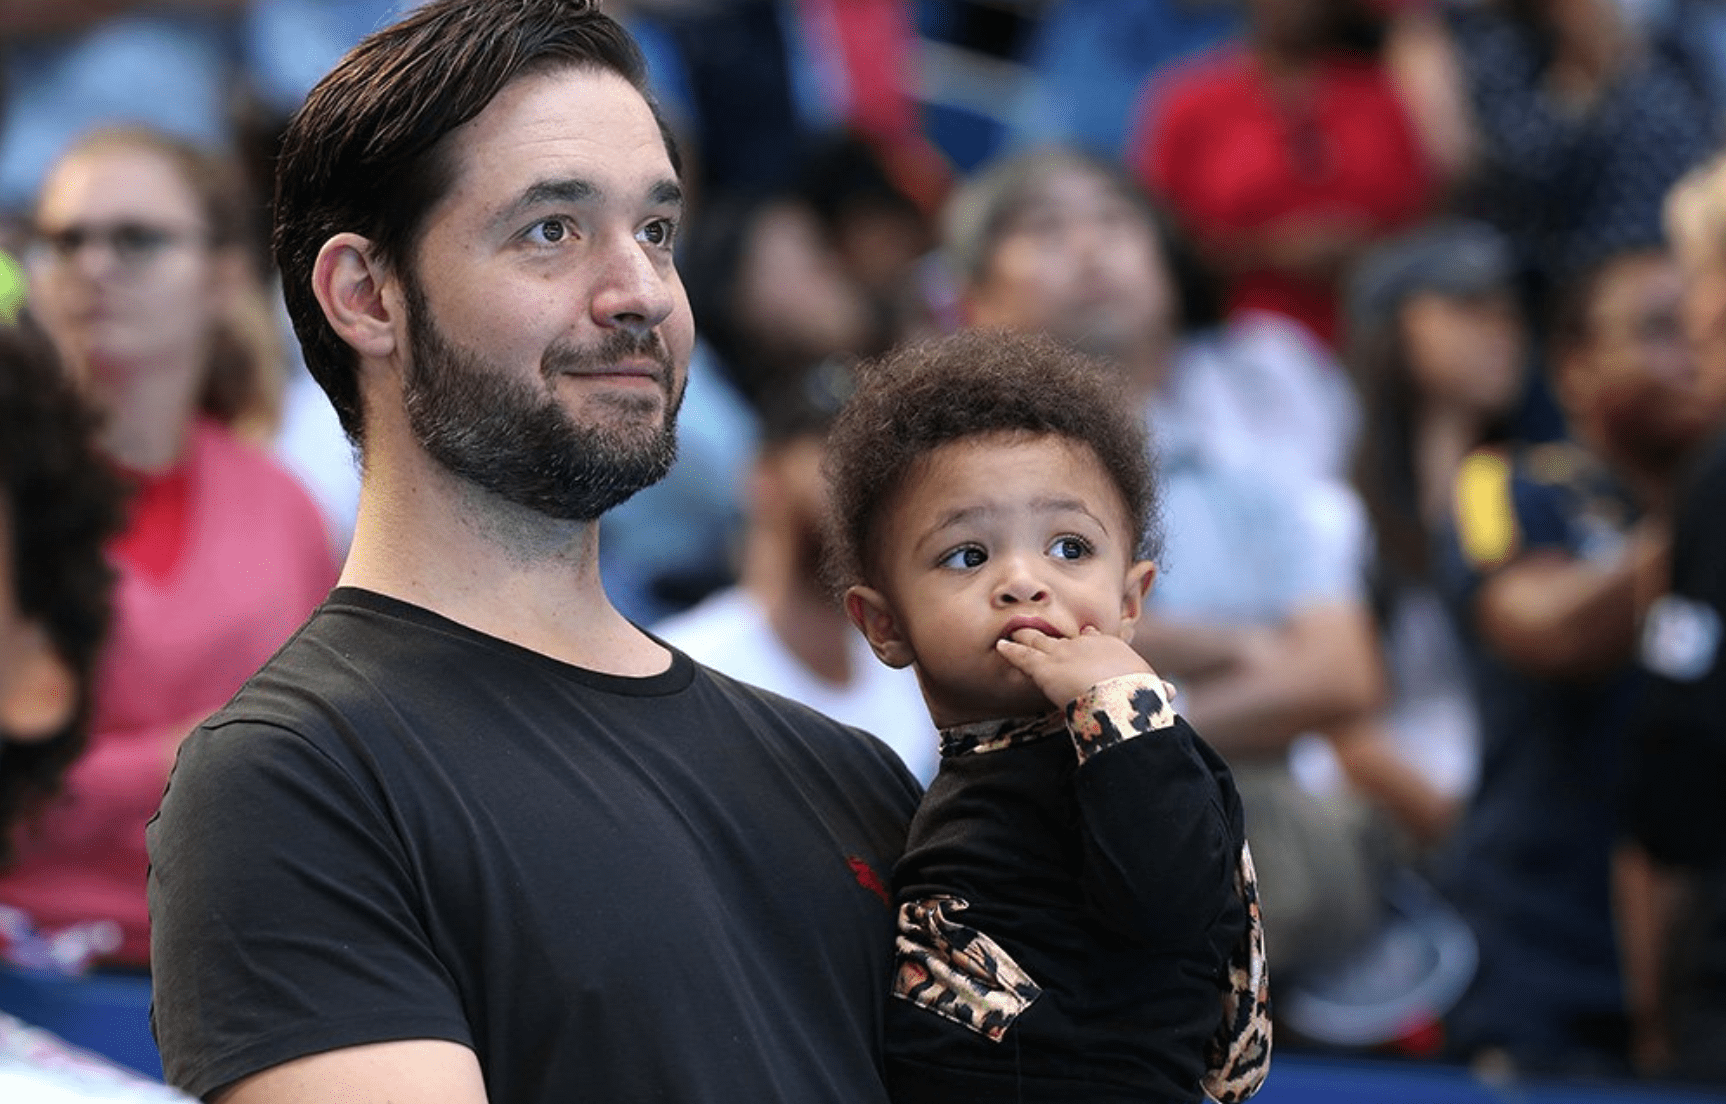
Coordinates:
[426,537]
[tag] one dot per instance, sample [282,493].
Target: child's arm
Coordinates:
[1161,818]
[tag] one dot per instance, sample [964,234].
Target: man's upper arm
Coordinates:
[287,919]
[411,1071]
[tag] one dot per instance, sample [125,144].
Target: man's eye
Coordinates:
[1070,548]
[660,232]
[548,231]
[967,556]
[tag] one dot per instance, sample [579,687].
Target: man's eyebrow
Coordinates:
[542,192]
[666,193]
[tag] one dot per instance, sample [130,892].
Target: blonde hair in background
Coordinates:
[1695,209]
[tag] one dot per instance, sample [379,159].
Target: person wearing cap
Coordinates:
[1438,348]
[1552,557]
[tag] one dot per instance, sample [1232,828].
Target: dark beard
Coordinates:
[514,440]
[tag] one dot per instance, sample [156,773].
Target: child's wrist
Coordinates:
[1119,709]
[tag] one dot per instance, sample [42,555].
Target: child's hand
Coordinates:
[1065,668]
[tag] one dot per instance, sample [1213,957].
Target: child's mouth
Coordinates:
[1037,623]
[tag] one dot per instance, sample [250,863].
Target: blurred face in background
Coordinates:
[793,294]
[1699,243]
[1081,262]
[1632,382]
[122,273]
[1465,352]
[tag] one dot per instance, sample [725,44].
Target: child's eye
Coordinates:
[1070,548]
[548,231]
[965,556]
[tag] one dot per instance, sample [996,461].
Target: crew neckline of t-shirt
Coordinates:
[673,679]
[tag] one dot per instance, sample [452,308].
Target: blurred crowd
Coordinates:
[1424,302]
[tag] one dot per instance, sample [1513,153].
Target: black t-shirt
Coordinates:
[611,889]
[1677,805]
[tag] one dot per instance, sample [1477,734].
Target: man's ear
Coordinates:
[39,692]
[349,284]
[1140,576]
[870,612]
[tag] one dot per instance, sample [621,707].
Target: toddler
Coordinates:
[1078,919]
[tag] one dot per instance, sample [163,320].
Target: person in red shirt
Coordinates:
[1284,156]
[137,268]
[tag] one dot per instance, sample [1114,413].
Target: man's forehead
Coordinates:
[550,123]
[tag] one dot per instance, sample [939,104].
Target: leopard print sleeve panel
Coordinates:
[957,972]
[1238,1056]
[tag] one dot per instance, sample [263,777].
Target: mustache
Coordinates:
[617,346]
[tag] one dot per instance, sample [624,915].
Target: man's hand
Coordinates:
[1065,668]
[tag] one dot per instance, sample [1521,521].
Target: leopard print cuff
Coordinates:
[1118,709]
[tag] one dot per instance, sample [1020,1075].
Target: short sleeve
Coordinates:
[285,918]
[1496,516]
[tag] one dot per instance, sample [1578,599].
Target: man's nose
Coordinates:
[635,289]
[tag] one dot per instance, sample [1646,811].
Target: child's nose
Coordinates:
[1019,584]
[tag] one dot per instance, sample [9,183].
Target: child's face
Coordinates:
[990,536]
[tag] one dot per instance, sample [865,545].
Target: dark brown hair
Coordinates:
[973,384]
[63,502]
[365,153]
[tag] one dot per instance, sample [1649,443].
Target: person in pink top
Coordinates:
[1285,156]
[138,268]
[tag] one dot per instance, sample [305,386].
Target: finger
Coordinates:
[1022,656]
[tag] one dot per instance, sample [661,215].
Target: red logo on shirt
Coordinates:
[867,878]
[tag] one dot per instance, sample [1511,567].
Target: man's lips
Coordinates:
[1037,623]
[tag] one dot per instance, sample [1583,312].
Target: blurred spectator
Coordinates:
[748,82]
[1672,875]
[1437,341]
[138,256]
[1581,127]
[72,65]
[1557,550]
[1285,155]
[59,504]
[781,628]
[1256,614]
[1089,60]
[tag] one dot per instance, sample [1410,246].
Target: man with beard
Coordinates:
[471,835]
[1557,552]
[780,627]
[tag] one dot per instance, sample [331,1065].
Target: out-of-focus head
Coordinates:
[1624,370]
[1696,225]
[771,293]
[1437,308]
[137,248]
[59,505]
[1063,243]
[368,152]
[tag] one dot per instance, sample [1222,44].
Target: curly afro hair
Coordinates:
[925,395]
[64,504]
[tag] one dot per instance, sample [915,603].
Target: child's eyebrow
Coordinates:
[1067,506]
[1044,505]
